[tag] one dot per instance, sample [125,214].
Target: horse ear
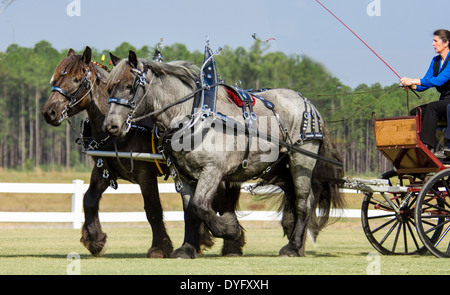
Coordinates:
[132,59]
[87,55]
[71,52]
[115,60]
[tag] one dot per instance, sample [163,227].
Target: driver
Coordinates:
[438,76]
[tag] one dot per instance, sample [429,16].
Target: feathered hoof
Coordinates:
[157,252]
[185,252]
[289,251]
[96,247]
[233,248]
[103,251]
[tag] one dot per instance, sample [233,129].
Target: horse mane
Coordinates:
[185,71]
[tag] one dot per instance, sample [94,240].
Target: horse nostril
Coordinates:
[112,129]
[50,115]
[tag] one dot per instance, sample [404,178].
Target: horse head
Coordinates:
[144,88]
[72,82]
[126,86]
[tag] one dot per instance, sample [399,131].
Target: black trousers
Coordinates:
[432,113]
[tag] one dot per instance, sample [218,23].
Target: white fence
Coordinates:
[76,216]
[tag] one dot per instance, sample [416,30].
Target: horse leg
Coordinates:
[161,244]
[197,233]
[225,226]
[301,170]
[226,202]
[194,231]
[92,236]
[289,214]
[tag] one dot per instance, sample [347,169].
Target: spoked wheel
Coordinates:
[432,214]
[388,220]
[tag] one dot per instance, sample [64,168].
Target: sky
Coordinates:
[400,31]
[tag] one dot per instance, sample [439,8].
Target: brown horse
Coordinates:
[79,84]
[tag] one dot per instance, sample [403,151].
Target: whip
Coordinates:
[359,38]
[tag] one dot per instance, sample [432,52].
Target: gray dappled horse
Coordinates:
[206,152]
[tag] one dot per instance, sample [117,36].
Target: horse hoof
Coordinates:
[185,252]
[102,252]
[289,251]
[96,244]
[155,253]
[97,249]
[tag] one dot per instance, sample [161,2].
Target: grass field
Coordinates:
[342,250]
[42,249]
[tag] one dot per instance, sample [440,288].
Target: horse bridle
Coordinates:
[139,82]
[73,98]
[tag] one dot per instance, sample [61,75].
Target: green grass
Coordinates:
[43,248]
[341,249]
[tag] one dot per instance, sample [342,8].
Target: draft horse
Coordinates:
[165,92]
[80,84]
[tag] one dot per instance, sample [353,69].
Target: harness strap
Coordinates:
[154,151]
[121,101]
[309,114]
[62,91]
[208,80]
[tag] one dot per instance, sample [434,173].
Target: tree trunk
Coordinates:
[37,97]
[31,122]
[22,131]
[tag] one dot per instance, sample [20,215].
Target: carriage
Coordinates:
[406,211]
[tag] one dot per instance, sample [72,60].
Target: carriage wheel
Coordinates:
[433,214]
[391,232]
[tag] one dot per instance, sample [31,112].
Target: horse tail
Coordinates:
[325,182]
